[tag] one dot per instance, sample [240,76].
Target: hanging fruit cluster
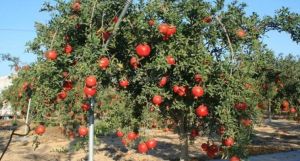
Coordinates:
[142,147]
[90,86]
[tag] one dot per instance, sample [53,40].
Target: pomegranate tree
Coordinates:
[185,63]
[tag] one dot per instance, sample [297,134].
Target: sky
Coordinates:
[17,19]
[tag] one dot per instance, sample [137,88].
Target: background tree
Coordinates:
[287,80]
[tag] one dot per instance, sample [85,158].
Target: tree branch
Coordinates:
[232,56]
[128,2]
[93,12]
[8,57]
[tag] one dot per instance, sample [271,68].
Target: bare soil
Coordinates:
[277,136]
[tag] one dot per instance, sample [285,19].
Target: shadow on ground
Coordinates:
[164,150]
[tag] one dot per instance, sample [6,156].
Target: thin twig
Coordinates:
[55,33]
[51,45]
[228,40]
[92,15]
[130,24]
[102,21]
[128,2]
[102,24]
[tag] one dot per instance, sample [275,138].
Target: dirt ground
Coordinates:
[279,135]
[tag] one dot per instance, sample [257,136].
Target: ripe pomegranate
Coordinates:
[151,22]
[143,50]
[246,122]
[221,130]
[115,19]
[25,86]
[105,35]
[131,136]
[134,62]
[20,94]
[163,81]
[170,60]
[119,133]
[124,83]
[152,143]
[228,142]
[82,131]
[285,103]
[157,100]
[68,49]
[90,92]
[104,63]
[194,133]
[204,146]
[165,38]
[85,107]
[207,19]
[241,33]
[51,55]
[198,78]
[202,111]
[213,148]
[142,148]
[62,95]
[71,135]
[241,106]
[40,130]
[197,91]
[67,85]
[175,88]
[182,91]
[235,158]
[76,7]
[163,28]
[124,142]
[91,81]
[293,110]
[171,31]
[284,109]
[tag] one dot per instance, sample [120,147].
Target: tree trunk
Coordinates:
[184,140]
[270,110]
